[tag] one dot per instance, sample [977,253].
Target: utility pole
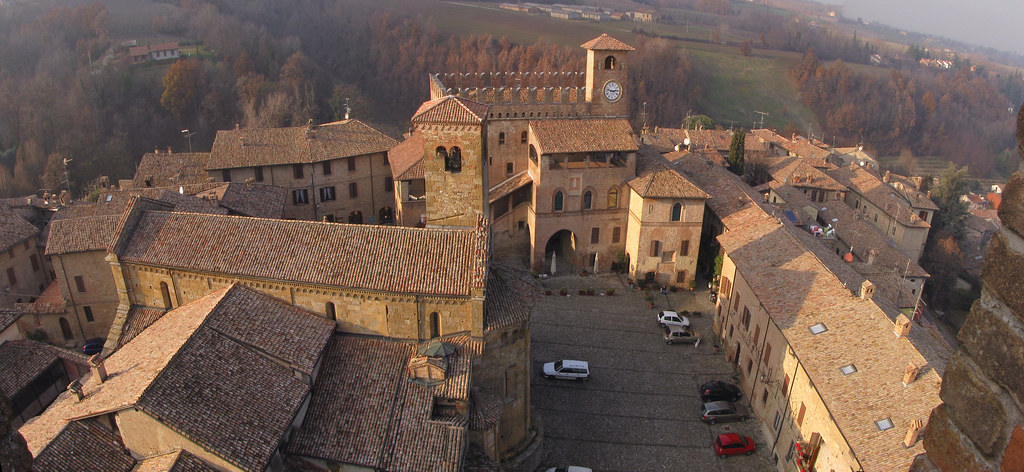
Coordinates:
[67,176]
[188,135]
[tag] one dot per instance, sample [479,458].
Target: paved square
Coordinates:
[640,409]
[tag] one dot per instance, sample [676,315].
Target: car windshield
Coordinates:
[558,365]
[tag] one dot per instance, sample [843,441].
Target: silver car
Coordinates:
[681,335]
[722,412]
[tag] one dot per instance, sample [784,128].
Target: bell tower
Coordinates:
[454,166]
[607,89]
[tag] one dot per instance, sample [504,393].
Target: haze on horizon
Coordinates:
[992,23]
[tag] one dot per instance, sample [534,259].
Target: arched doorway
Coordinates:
[387,216]
[561,246]
[65,330]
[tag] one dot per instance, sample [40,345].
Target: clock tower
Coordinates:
[607,91]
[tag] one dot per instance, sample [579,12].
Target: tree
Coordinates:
[737,150]
[697,121]
[181,85]
[745,47]
[952,215]
[943,260]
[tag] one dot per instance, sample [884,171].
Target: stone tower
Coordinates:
[454,165]
[607,89]
[979,425]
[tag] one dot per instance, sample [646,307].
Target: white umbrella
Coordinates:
[553,265]
[595,262]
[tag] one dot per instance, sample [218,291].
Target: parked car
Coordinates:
[567,369]
[570,468]
[671,318]
[93,346]
[681,335]
[732,444]
[722,412]
[716,390]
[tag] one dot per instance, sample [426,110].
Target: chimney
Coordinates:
[912,433]
[76,386]
[169,150]
[872,255]
[887,177]
[236,126]
[910,374]
[902,327]
[867,290]
[96,361]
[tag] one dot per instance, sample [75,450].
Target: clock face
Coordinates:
[612,91]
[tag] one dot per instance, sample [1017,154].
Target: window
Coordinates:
[355,217]
[327,167]
[508,168]
[435,325]
[501,138]
[389,185]
[609,62]
[736,303]
[454,161]
[848,369]
[351,164]
[757,334]
[684,248]
[778,421]
[923,215]
[327,194]
[767,353]
[297,171]
[616,233]
[225,175]
[613,198]
[80,283]
[730,330]
[330,311]
[65,329]
[521,224]
[655,248]
[557,204]
[764,397]
[750,365]
[353,190]
[792,449]
[677,211]
[595,235]
[785,384]
[818,328]
[746,318]
[300,196]
[522,138]
[387,215]
[800,416]
[588,200]
[88,313]
[681,277]
[668,256]
[884,424]
[35,262]
[259,174]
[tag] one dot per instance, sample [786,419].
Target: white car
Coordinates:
[567,369]
[671,318]
[570,468]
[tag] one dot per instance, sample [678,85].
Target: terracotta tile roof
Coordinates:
[366,411]
[283,146]
[145,50]
[172,169]
[485,409]
[583,135]
[607,43]
[797,291]
[511,295]
[664,182]
[452,110]
[510,185]
[731,200]
[407,158]
[255,200]
[113,202]
[68,235]
[21,362]
[177,461]
[202,374]
[13,228]
[8,316]
[798,172]
[84,446]
[391,259]
[805,149]
[889,199]
[138,319]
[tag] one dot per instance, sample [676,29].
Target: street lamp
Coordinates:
[188,135]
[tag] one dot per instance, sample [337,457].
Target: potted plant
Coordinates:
[547,292]
[590,291]
[563,292]
[609,292]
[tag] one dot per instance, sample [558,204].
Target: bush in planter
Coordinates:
[610,291]
[590,291]
[563,292]
[547,292]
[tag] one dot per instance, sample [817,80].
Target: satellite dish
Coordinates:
[848,257]
[686,142]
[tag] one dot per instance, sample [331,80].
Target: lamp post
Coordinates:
[188,135]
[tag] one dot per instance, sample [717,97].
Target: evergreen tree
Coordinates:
[737,149]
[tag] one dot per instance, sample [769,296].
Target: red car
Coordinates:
[732,444]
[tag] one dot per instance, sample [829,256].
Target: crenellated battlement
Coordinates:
[512,88]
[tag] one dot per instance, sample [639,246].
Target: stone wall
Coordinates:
[979,424]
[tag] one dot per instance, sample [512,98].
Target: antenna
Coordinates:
[763,114]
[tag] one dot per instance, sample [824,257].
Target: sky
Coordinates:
[994,23]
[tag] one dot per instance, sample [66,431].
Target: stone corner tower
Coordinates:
[454,161]
[607,89]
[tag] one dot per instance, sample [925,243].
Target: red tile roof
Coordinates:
[172,169]
[798,172]
[296,145]
[451,110]
[583,135]
[407,158]
[21,362]
[13,228]
[889,199]
[664,182]
[510,298]
[256,200]
[86,447]
[390,259]
[68,235]
[8,316]
[606,43]
[137,320]
[510,185]
[177,461]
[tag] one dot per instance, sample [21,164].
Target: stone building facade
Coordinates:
[22,273]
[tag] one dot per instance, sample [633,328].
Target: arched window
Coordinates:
[522,138]
[501,138]
[533,153]
[356,217]
[65,330]
[558,201]
[609,62]
[441,153]
[329,309]
[454,161]
[677,211]
[165,294]
[588,200]
[435,325]
[387,216]
[613,198]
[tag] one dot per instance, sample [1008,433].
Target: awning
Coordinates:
[510,185]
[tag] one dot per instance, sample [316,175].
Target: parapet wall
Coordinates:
[512,88]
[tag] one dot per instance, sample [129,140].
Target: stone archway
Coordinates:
[561,246]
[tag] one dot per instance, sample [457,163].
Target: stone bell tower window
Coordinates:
[454,161]
[609,62]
